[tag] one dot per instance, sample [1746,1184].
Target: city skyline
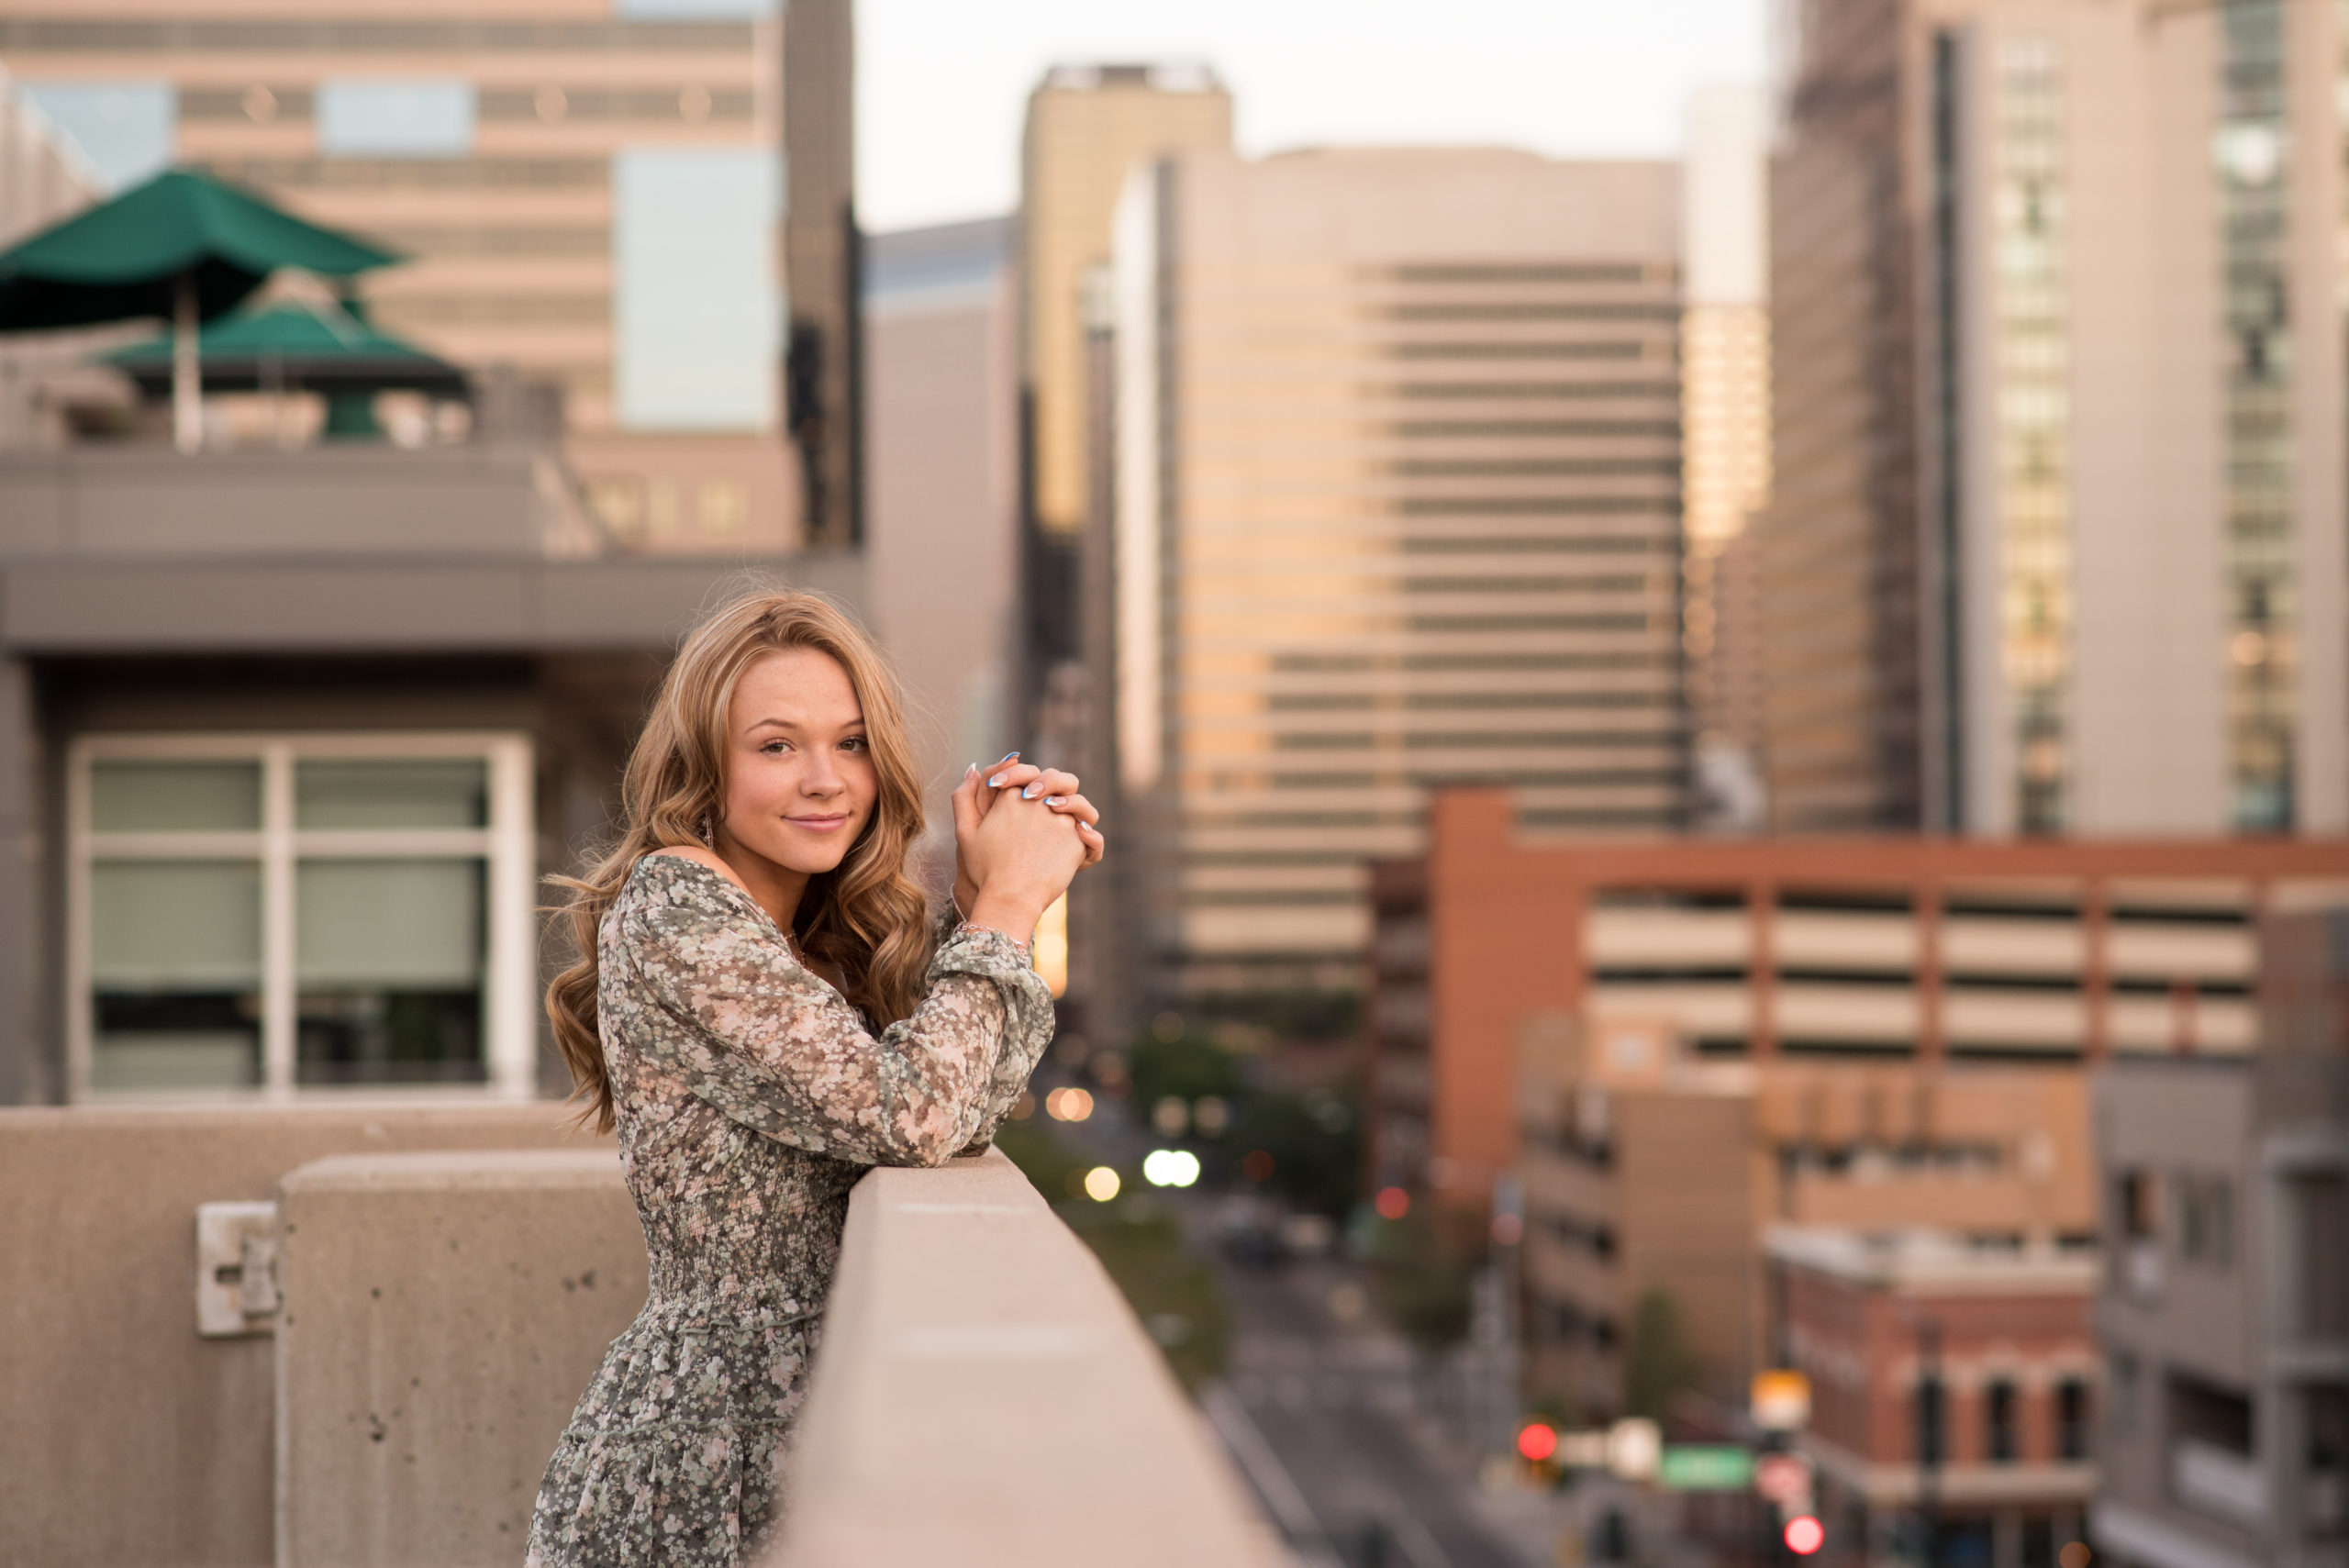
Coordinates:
[1579,82]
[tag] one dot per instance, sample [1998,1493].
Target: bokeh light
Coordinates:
[1101,1183]
[1394,1203]
[1170,1168]
[1537,1440]
[2076,1555]
[1805,1535]
[1068,1105]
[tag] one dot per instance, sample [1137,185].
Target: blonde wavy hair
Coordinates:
[865,918]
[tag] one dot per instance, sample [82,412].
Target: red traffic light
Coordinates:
[1805,1535]
[1537,1440]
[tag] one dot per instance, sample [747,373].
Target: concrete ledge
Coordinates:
[442,1312]
[410,604]
[982,1395]
[474,1170]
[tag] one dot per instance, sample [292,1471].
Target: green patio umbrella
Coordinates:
[329,348]
[183,247]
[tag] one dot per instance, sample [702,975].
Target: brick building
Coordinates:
[1948,1380]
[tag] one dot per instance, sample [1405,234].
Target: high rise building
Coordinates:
[1087,126]
[2056,539]
[942,391]
[823,395]
[1397,501]
[591,193]
[1725,439]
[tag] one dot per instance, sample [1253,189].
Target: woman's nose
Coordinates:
[823,774]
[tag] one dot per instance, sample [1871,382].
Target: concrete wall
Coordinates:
[130,1439]
[443,1313]
[983,1396]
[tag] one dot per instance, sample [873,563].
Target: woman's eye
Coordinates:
[776,747]
[853,743]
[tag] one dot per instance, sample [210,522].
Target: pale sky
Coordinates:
[942,84]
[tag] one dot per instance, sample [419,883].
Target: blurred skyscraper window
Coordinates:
[127,129]
[414,118]
[697,9]
[695,317]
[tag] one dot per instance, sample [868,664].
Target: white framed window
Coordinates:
[268,914]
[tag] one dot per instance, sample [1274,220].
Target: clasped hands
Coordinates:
[1021,834]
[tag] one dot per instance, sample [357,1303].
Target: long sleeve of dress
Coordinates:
[777,1050]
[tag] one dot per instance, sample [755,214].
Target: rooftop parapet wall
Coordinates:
[451,1275]
[443,1313]
[102,1371]
[983,1396]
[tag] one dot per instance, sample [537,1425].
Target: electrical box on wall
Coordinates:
[236,1268]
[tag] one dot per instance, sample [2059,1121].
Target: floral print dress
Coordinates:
[751,1097]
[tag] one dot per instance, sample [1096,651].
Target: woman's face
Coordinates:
[799,778]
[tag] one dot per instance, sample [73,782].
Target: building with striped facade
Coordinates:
[1397,501]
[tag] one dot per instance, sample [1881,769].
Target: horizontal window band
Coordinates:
[35,35]
[463,240]
[1634,349]
[1381,665]
[1534,468]
[1349,702]
[1530,273]
[419,173]
[1534,429]
[491,310]
[1532,310]
[1495,740]
[1533,506]
[298,102]
[1518,391]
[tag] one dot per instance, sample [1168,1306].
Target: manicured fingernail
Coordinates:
[996,782]
[1056,800]
[969,771]
[1030,792]
[1007,756]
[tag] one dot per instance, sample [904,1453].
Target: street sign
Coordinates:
[1705,1467]
[1781,1401]
[1782,1477]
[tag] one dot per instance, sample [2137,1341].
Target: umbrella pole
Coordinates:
[187,376]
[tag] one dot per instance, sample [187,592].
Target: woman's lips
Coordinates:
[818,824]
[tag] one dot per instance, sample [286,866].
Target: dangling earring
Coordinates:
[706,842]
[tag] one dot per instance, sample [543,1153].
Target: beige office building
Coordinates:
[590,192]
[1087,126]
[1725,439]
[1397,501]
[2057,542]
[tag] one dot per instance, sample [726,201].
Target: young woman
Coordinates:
[762,1008]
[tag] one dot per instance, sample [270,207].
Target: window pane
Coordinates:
[159,926]
[175,969]
[696,314]
[174,796]
[389,958]
[388,923]
[127,129]
[391,795]
[418,118]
